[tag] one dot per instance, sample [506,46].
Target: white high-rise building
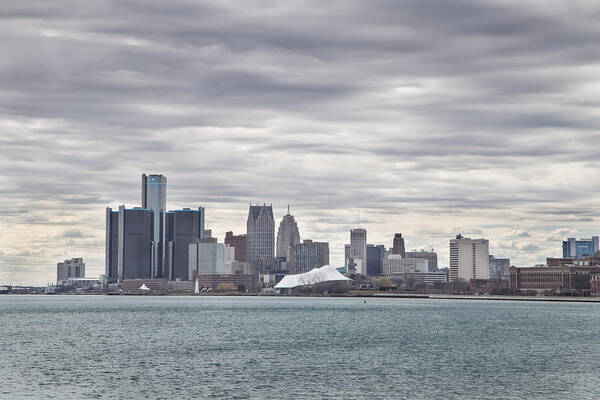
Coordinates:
[469,258]
[357,250]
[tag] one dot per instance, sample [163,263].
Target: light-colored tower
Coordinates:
[469,258]
[358,247]
[154,197]
[287,235]
[260,233]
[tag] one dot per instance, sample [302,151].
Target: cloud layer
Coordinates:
[432,117]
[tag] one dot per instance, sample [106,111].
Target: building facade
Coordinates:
[260,233]
[567,279]
[499,268]
[154,197]
[430,256]
[398,265]
[573,248]
[375,257]
[73,268]
[207,257]
[357,251]
[129,244]
[309,255]
[398,245]
[183,227]
[469,258]
[239,243]
[288,236]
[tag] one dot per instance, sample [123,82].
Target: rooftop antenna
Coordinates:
[288,209]
[358,218]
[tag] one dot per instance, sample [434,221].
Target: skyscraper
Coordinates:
[154,197]
[111,267]
[287,235]
[398,245]
[134,243]
[469,258]
[183,227]
[260,233]
[73,268]
[375,256]
[358,248]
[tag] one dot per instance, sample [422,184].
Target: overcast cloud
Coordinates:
[433,117]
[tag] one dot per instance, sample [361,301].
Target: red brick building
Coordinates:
[564,279]
[239,243]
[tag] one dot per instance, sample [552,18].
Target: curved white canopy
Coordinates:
[326,273]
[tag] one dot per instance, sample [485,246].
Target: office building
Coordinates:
[357,251]
[573,248]
[260,233]
[430,256]
[133,248]
[73,268]
[207,257]
[375,257]
[239,243]
[399,265]
[154,197]
[111,260]
[469,258]
[499,268]
[308,255]
[183,227]
[270,266]
[287,236]
[398,245]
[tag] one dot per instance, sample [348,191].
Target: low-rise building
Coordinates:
[571,279]
[249,282]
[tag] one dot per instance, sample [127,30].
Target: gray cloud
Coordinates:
[433,117]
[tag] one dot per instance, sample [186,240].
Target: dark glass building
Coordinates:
[135,256]
[375,259]
[183,227]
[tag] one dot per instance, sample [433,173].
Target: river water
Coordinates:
[112,347]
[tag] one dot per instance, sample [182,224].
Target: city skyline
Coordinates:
[429,132]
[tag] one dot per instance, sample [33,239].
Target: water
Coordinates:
[86,347]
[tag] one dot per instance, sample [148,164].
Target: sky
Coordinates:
[433,118]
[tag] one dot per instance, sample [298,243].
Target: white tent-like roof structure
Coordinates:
[326,273]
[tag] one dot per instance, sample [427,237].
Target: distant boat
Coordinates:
[197,287]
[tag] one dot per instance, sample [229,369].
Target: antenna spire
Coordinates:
[358,218]
[288,209]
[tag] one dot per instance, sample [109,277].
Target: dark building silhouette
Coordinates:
[375,259]
[154,197]
[183,227]
[398,247]
[135,243]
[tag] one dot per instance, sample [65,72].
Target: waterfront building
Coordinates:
[288,236]
[73,268]
[183,227]
[129,252]
[566,279]
[271,266]
[398,245]
[239,243]
[499,268]
[430,256]
[154,197]
[248,282]
[260,234]
[573,248]
[375,257]
[207,257]
[308,255]
[469,258]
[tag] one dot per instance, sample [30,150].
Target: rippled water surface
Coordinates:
[80,347]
